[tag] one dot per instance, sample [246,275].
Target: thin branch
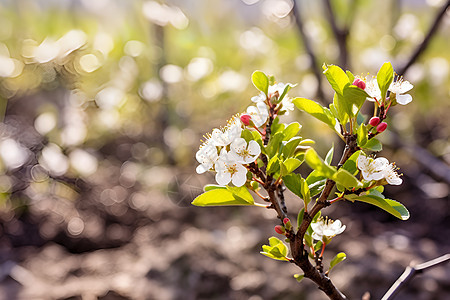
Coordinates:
[312,56]
[412,271]
[431,32]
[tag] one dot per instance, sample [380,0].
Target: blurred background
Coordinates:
[103,105]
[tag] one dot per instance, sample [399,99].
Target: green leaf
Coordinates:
[346,179]
[391,206]
[307,143]
[337,78]
[342,108]
[316,110]
[293,183]
[316,163]
[291,164]
[350,76]
[350,164]
[274,144]
[329,156]
[289,147]
[384,78]
[273,165]
[260,81]
[257,137]
[337,259]
[299,277]
[210,187]
[316,183]
[286,89]
[355,98]
[300,217]
[227,196]
[291,130]
[374,145]
[276,126]
[247,135]
[275,250]
[306,194]
[361,135]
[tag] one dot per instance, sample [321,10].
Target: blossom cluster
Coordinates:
[226,152]
[377,169]
[399,88]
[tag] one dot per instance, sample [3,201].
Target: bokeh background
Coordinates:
[103,105]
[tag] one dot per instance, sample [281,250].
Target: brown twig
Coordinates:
[412,271]
[422,46]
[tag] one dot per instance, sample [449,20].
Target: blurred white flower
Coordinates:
[243,153]
[259,113]
[288,105]
[400,87]
[13,154]
[325,229]
[229,169]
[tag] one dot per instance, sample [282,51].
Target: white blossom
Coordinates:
[243,153]
[228,169]
[325,229]
[288,105]
[400,87]
[372,169]
[391,176]
[260,98]
[206,156]
[373,89]
[259,113]
[224,137]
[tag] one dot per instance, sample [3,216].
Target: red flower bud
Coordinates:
[359,83]
[285,221]
[246,119]
[280,229]
[374,121]
[382,127]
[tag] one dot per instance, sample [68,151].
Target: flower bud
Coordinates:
[246,119]
[359,83]
[286,220]
[374,121]
[280,229]
[382,127]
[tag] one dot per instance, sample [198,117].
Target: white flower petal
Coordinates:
[253,148]
[404,99]
[362,162]
[240,177]
[201,169]
[238,145]
[380,163]
[223,178]
[316,236]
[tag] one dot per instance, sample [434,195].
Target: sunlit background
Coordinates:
[103,105]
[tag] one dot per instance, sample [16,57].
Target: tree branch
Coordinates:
[431,32]
[412,271]
[312,56]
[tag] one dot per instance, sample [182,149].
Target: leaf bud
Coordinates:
[245,118]
[359,83]
[382,127]
[374,121]
[280,229]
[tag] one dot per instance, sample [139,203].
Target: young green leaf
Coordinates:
[293,183]
[291,130]
[350,76]
[287,87]
[350,164]
[346,179]
[227,196]
[316,163]
[337,259]
[384,78]
[300,217]
[210,187]
[316,110]
[260,81]
[273,165]
[316,183]
[274,144]
[329,156]
[373,145]
[354,97]
[247,135]
[337,78]
[289,147]
[275,250]
[291,164]
[391,206]
[361,135]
